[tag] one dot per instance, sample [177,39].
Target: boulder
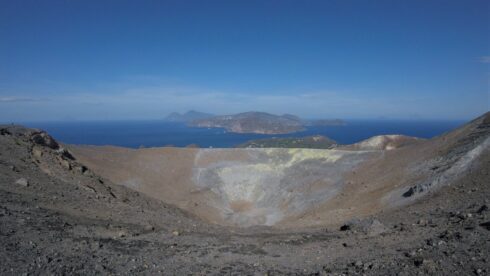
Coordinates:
[43,139]
[65,163]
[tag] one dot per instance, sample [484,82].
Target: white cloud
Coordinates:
[129,100]
[484,59]
[14,99]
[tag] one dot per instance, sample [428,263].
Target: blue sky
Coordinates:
[102,60]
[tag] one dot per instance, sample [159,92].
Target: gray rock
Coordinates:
[65,163]
[43,139]
[65,153]
[418,261]
[149,227]
[482,209]
[371,227]
[345,227]
[22,182]
[374,228]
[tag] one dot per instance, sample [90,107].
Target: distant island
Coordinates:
[189,116]
[253,122]
[310,142]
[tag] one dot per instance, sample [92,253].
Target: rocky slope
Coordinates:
[57,216]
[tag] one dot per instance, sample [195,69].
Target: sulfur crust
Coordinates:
[245,182]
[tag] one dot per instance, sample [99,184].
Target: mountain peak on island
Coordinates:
[190,115]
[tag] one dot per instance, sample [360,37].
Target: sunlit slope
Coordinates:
[271,184]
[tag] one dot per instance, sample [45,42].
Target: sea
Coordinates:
[158,133]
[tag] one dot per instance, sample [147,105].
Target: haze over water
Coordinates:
[160,133]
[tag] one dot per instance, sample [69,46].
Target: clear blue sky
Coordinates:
[90,60]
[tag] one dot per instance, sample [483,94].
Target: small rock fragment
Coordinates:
[409,192]
[482,209]
[22,181]
[81,169]
[374,228]
[418,261]
[65,164]
[486,225]
[345,227]
[149,227]
[65,153]
[37,152]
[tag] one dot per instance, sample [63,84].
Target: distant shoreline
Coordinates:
[158,133]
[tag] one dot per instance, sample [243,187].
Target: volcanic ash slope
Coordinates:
[291,187]
[270,184]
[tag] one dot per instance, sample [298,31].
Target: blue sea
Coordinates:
[135,134]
